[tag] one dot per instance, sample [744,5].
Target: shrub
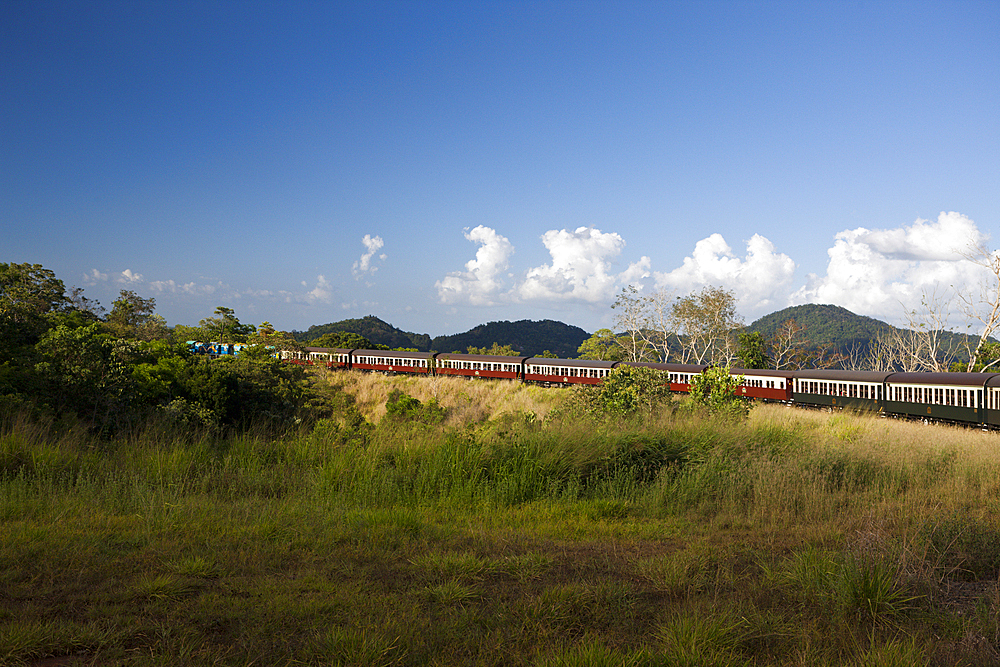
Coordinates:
[714,390]
[401,407]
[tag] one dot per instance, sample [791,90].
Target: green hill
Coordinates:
[832,327]
[843,331]
[370,327]
[824,325]
[527,336]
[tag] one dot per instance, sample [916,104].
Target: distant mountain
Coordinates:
[832,327]
[370,327]
[843,331]
[824,325]
[527,336]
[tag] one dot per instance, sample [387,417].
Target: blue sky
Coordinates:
[441,165]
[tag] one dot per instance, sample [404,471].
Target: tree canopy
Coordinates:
[226,328]
[343,339]
[752,350]
[603,345]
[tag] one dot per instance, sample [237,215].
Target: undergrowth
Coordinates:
[520,537]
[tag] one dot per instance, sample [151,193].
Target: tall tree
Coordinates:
[87,371]
[752,350]
[226,328]
[706,323]
[788,345]
[985,306]
[659,327]
[132,316]
[603,346]
[29,293]
[630,319]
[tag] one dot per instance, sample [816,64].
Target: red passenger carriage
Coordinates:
[566,371]
[480,366]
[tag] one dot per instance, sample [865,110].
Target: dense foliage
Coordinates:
[60,362]
[345,340]
[791,538]
[627,392]
[717,391]
[495,350]
[529,337]
[824,324]
[371,328]
[752,350]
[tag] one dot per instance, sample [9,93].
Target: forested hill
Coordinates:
[824,325]
[372,328]
[526,336]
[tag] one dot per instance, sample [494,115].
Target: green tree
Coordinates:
[90,310]
[496,350]
[715,391]
[627,390]
[752,350]
[87,372]
[132,316]
[270,341]
[29,294]
[988,356]
[226,328]
[342,339]
[157,371]
[252,389]
[603,346]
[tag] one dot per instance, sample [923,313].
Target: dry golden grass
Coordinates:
[922,471]
[799,538]
[466,401]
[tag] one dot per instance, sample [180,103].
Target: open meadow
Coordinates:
[464,522]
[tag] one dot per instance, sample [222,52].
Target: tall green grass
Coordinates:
[791,538]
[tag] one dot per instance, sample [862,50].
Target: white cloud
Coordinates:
[481,282]
[372,245]
[760,281]
[322,292]
[873,272]
[172,287]
[581,268]
[94,277]
[943,240]
[128,277]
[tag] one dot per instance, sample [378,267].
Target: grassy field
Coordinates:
[490,530]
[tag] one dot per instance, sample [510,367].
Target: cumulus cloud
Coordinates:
[924,240]
[581,267]
[129,277]
[172,287]
[480,283]
[364,265]
[94,277]
[760,280]
[874,271]
[322,292]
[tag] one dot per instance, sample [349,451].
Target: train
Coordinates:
[961,398]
